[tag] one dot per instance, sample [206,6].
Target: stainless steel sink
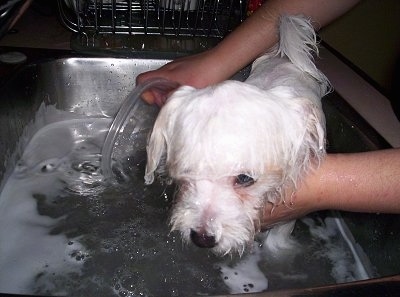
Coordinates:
[95,87]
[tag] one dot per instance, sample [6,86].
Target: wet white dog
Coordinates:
[234,147]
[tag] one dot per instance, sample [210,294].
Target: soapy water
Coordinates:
[65,231]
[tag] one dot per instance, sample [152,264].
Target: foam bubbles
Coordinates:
[245,276]
[27,250]
[64,231]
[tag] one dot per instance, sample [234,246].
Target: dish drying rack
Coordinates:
[155,25]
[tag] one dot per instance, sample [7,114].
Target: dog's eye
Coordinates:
[244,180]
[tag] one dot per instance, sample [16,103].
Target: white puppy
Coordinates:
[236,146]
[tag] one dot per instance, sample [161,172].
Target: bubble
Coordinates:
[88,237]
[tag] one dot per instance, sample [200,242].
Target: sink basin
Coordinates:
[69,96]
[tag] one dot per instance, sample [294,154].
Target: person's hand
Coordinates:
[359,182]
[198,71]
[195,70]
[290,209]
[308,196]
[157,90]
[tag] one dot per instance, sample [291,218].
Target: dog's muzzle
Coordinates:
[202,239]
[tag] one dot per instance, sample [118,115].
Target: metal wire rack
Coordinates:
[204,18]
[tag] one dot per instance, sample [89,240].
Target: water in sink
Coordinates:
[65,231]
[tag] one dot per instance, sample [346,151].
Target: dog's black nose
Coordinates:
[202,239]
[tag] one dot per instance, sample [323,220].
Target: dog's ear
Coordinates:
[159,139]
[314,138]
[156,147]
[309,145]
[303,134]
[306,118]
[304,130]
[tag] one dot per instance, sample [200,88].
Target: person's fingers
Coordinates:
[142,77]
[158,94]
[148,97]
[156,97]
[160,98]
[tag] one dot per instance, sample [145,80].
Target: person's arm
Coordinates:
[251,39]
[359,182]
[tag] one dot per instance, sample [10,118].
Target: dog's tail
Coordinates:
[298,41]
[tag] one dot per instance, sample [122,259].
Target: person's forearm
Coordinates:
[362,182]
[247,42]
[259,32]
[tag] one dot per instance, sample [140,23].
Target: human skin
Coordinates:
[250,40]
[359,182]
